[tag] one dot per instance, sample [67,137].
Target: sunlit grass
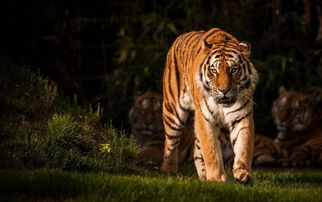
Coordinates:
[274,185]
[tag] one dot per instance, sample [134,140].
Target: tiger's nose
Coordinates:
[224,91]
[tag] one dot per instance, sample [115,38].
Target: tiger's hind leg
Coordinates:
[199,161]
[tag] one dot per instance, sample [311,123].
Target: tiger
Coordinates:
[297,117]
[210,74]
[266,151]
[145,119]
[147,127]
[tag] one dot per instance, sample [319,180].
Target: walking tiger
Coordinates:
[210,73]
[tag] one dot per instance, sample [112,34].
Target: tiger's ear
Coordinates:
[282,90]
[245,48]
[205,46]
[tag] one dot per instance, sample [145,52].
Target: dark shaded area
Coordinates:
[104,50]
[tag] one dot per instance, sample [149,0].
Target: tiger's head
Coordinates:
[145,117]
[227,72]
[293,111]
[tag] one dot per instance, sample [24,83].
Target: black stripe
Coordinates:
[239,119]
[233,142]
[173,111]
[240,108]
[198,147]
[248,67]
[168,123]
[183,108]
[211,33]
[178,117]
[243,79]
[198,158]
[168,80]
[245,86]
[171,120]
[198,51]
[177,75]
[171,137]
[211,112]
[168,107]
[191,41]
[172,149]
[175,143]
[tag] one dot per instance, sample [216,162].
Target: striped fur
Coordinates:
[210,73]
[298,120]
[145,118]
[266,151]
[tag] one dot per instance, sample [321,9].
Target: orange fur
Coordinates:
[209,73]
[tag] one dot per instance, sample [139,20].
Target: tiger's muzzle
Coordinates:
[226,96]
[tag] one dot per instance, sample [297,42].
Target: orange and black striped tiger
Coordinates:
[210,73]
[145,118]
[298,120]
[147,127]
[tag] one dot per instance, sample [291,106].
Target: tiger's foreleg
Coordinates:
[242,138]
[199,161]
[210,147]
[173,126]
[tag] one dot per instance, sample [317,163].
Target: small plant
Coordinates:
[61,126]
[48,89]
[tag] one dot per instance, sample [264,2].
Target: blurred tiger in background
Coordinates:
[298,120]
[145,118]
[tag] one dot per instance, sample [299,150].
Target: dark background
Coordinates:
[104,51]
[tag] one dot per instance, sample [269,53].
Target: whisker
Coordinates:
[250,99]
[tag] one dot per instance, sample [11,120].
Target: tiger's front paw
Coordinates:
[243,177]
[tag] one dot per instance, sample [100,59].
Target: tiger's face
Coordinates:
[292,111]
[145,116]
[227,70]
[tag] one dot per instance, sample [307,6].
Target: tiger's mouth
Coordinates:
[226,100]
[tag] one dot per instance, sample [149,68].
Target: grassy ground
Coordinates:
[275,185]
[52,148]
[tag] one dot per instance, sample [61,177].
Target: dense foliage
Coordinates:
[105,50]
[41,129]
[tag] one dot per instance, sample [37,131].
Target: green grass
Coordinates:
[42,129]
[273,185]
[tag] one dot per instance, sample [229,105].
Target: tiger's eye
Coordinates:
[145,104]
[213,71]
[234,69]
